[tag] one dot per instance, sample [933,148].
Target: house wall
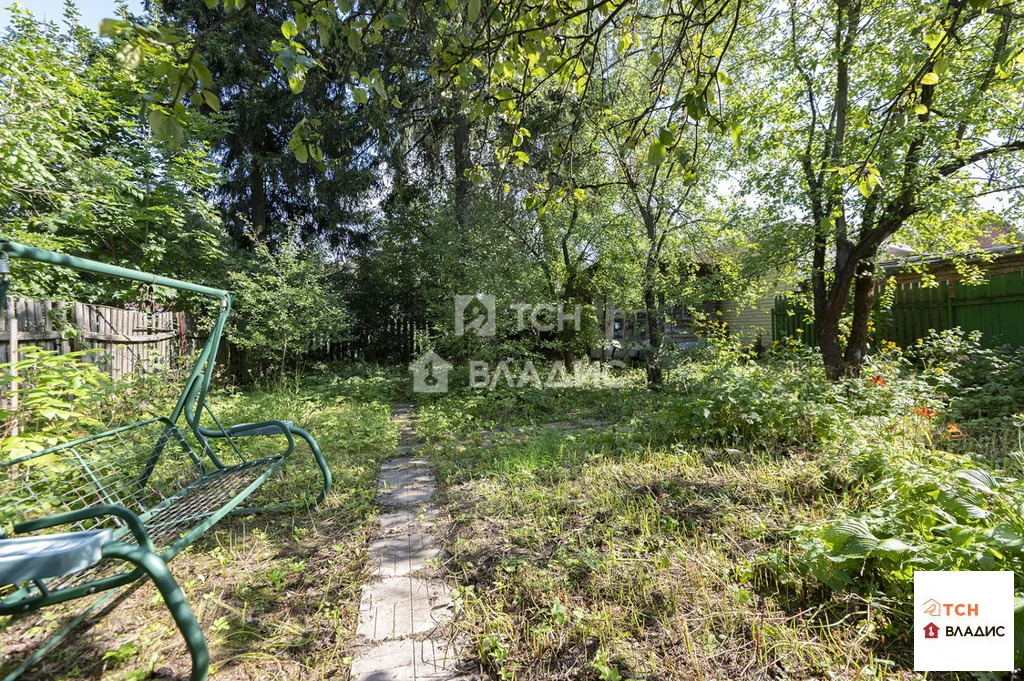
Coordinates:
[746,321]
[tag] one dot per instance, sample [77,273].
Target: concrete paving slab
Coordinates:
[403,554]
[404,462]
[402,606]
[409,660]
[394,477]
[407,519]
[406,495]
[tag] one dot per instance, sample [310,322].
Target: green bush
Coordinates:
[288,306]
[983,385]
[58,395]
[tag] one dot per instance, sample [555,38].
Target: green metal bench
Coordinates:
[158,484]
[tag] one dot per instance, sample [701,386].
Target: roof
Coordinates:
[980,255]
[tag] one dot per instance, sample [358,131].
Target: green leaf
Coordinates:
[130,55]
[301,153]
[579,194]
[203,74]
[297,80]
[360,95]
[394,20]
[737,131]
[979,480]
[111,27]
[474,10]
[355,41]
[625,40]
[930,78]
[210,4]
[212,100]
[666,137]
[893,545]
[920,109]
[289,29]
[851,538]
[656,154]
[158,123]
[724,78]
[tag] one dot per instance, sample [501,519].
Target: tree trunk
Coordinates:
[863,302]
[258,209]
[654,326]
[655,338]
[464,209]
[257,186]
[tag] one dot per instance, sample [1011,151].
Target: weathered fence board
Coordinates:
[128,340]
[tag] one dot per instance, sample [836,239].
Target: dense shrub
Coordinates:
[985,386]
[289,304]
[57,395]
[785,399]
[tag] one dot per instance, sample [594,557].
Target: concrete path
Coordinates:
[401,609]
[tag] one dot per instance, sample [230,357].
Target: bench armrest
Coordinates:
[130,519]
[260,428]
[289,430]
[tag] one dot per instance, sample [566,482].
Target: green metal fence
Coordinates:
[790,319]
[996,308]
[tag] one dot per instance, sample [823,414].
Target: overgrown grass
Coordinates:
[277,595]
[597,555]
[750,520]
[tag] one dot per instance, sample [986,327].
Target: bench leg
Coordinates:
[320,461]
[173,597]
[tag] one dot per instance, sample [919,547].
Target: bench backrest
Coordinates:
[135,466]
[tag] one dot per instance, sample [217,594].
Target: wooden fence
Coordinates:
[996,308]
[397,338]
[128,340]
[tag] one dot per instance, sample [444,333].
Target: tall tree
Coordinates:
[885,113]
[81,172]
[268,191]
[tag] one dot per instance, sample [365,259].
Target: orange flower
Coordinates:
[926,412]
[953,432]
[879,381]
